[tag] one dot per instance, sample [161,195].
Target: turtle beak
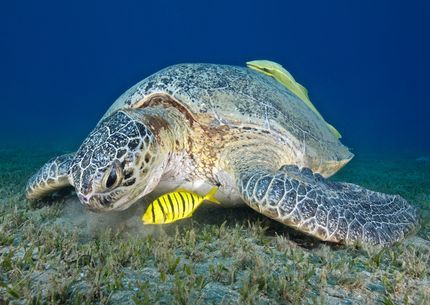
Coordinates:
[84,199]
[101,202]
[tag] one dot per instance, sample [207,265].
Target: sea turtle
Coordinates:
[196,126]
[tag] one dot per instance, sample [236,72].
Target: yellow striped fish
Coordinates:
[176,205]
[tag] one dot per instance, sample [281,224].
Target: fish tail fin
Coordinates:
[210,196]
[334,131]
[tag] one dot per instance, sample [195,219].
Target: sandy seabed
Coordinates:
[57,252]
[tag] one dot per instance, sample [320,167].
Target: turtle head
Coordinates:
[118,163]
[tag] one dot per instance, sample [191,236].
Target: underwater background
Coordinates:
[62,64]
[365,63]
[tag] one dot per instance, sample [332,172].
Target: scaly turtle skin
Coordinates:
[199,125]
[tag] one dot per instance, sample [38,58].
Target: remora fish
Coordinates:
[176,205]
[279,73]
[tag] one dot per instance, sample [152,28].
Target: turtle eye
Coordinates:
[113,178]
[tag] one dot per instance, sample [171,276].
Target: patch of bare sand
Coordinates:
[89,224]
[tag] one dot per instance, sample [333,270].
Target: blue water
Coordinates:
[366,63]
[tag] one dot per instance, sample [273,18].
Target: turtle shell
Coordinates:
[240,96]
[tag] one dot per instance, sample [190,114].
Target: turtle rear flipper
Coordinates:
[51,177]
[331,211]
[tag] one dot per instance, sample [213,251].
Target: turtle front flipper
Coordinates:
[331,211]
[51,177]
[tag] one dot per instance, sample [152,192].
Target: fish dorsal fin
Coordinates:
[279,73]
[304,90]
[181,189]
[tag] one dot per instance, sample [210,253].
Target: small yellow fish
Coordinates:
[176,205]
